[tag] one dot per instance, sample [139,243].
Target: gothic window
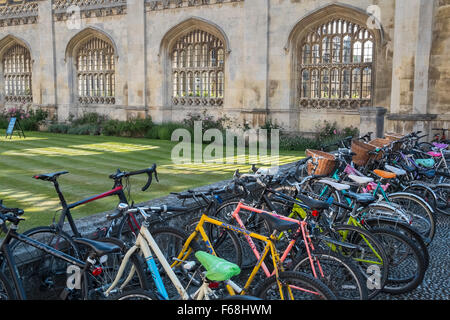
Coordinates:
[198,75]
[95,72]
[17,74]
[335,65]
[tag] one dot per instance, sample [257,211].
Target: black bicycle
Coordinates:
[84,279]
[47,284]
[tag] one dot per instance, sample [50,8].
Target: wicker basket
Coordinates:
[362,152]
[326,162]
[379,143]
[394,137]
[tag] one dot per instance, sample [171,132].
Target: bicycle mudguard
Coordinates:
[217,269]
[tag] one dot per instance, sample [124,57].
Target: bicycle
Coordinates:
[147,244]
[55,235]
[307,285]
[88,276]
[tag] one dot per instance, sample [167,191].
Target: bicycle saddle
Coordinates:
[362,198]
[49,176]
[360,180]
[385,174]
[312,203]
[397,171]
[278,224]
[440,145]
[217,269]
[435,154]
[427,163]
[334,184]
[100,248]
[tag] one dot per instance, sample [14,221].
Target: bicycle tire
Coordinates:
[170,241]
[242,297]
[46,277]
[110,265]
[6,288]
[135,295]
[423,191]
[269,287]
[341,274]
[364,257]
[396,284]
[127,229]
[443,199]
[407,231]
[424,218]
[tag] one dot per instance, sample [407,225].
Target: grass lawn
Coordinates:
[90,160]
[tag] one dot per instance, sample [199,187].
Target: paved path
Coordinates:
[436,283]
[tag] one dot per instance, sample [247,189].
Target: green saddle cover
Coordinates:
[427,163]
[217,269]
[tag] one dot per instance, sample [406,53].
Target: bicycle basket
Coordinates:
[379,143]
[326,162]
[362,152]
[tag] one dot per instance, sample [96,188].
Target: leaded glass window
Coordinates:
[95,67]
[198,78]
[335,66]
[17,74]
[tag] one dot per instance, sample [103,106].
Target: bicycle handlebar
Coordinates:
[149,171]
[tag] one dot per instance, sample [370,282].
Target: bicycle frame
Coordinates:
[301,229]
[146,243]
[269,247]
[6,252]
[66,207]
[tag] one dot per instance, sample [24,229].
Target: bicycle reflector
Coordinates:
[213,285]
[97,271]
[315,213]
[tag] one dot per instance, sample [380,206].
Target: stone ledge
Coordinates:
[412,117]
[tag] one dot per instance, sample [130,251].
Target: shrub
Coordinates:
[58,128]
[297,143]
[30,120]
[89,118]
[85,129]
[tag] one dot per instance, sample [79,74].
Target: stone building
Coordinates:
[293,62]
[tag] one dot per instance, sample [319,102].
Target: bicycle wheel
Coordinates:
[129,227]
[135,295]
[170,241]
[406,264]
[294,286]
[425,192]
[44,277]
[443,199]
[364,249]
[423,217]
[6,289]
[109,265]
[405,230]
[340,274]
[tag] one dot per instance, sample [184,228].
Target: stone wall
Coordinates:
[410,70]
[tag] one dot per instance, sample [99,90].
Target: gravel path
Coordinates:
[436,283]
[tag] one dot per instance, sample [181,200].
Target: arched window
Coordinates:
[335,65]
[17,74]
[204,68]
[95,67]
